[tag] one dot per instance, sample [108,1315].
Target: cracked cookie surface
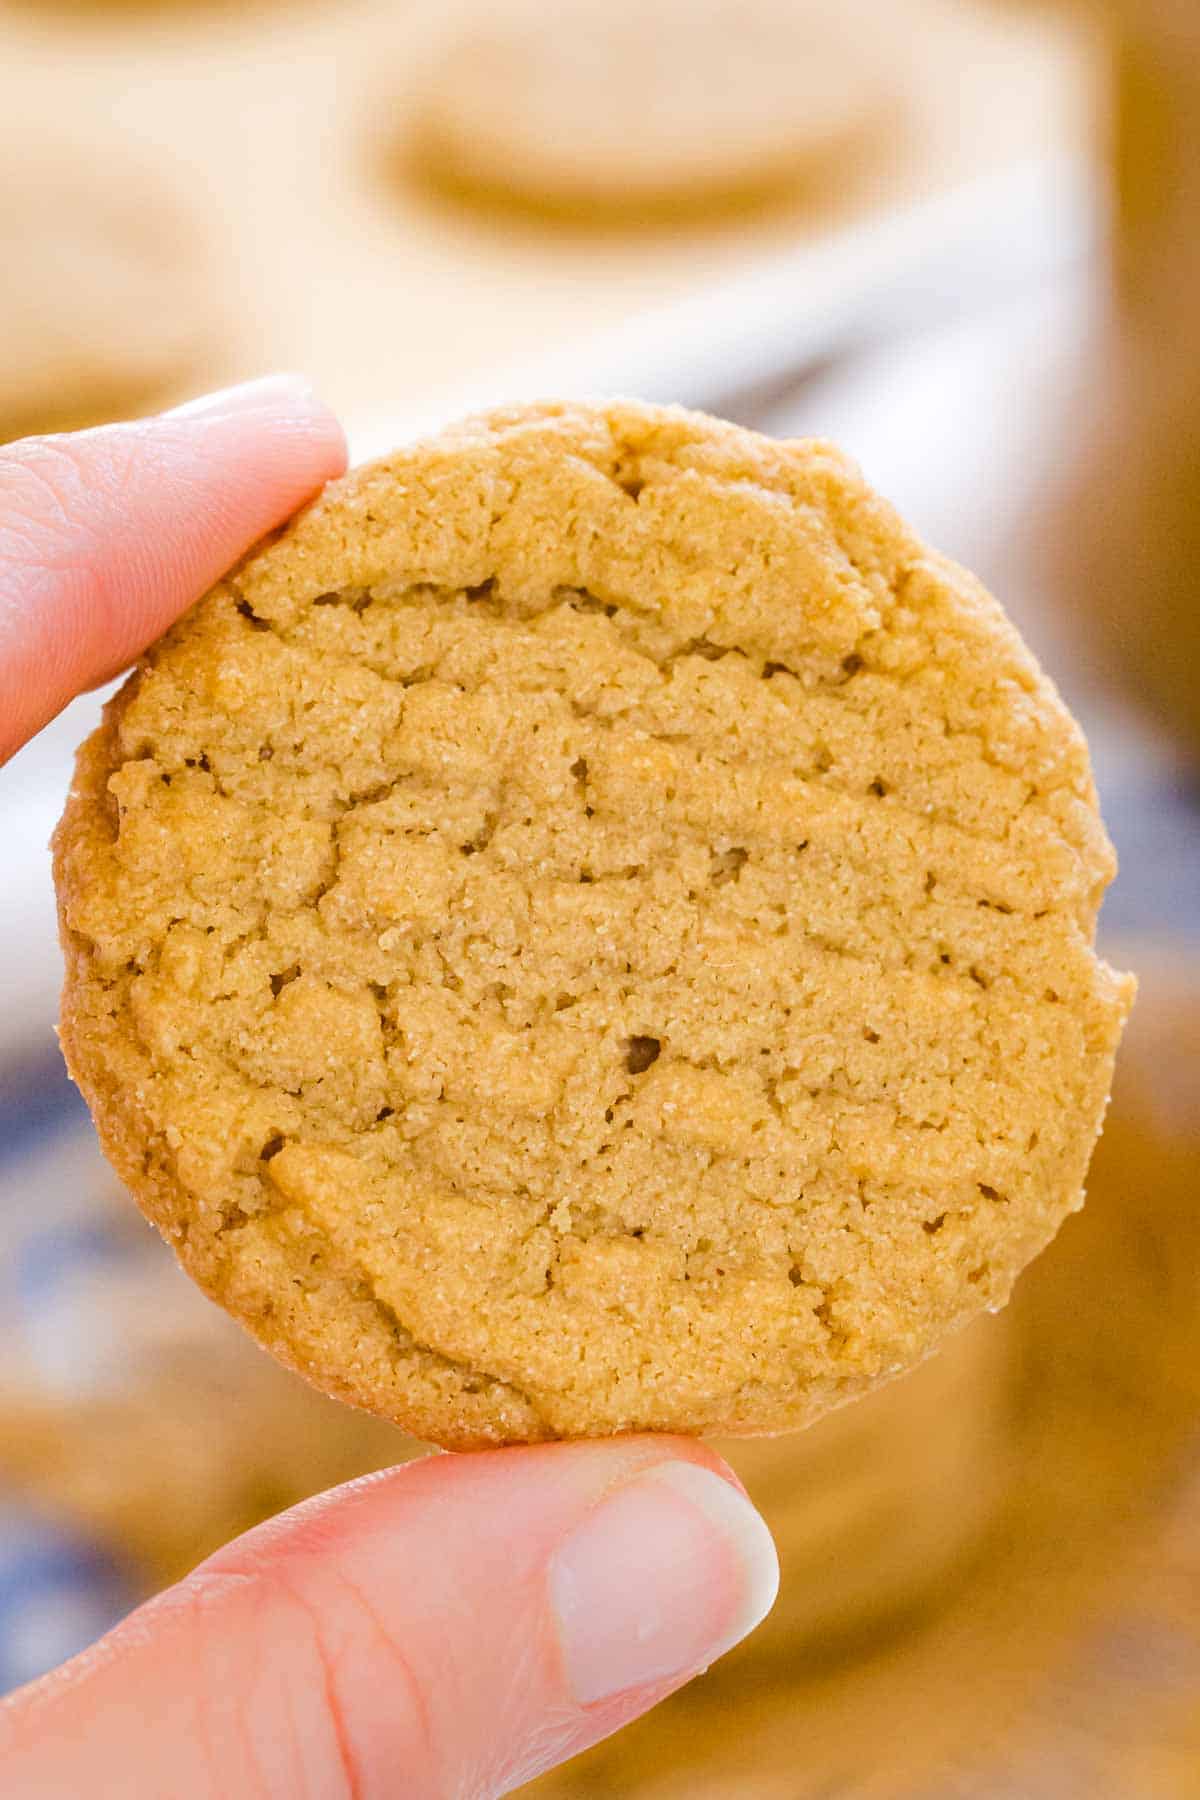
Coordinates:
[590,929]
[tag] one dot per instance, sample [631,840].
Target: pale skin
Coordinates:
[449,1628]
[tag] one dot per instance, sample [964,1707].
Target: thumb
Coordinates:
[449,1628]
[107,535]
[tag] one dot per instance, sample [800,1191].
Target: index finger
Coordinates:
[107,535]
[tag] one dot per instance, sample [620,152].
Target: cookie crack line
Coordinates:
[400,1329]
[355,801]
[911,962]
[676,1034]
[471,1372]
[1037,794]
[377,792]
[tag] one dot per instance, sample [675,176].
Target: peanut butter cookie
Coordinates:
[591,929]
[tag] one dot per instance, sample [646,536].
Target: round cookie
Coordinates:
[611,105]
[590,929]
[110,312]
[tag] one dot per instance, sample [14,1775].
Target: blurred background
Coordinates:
[961,237]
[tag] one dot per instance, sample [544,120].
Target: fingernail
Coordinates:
[269,393]
[662,1576]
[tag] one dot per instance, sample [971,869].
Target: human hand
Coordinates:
[448,1628]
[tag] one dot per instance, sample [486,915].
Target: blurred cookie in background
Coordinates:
[107,306]
[626,107]
[131,1409]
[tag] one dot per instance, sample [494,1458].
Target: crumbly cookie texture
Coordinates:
[615,105]
[590,929]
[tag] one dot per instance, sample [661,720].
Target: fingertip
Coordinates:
[107,535]
[742,1531]
[664,1574]
[468,1618]
[281,413]
[286,390]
